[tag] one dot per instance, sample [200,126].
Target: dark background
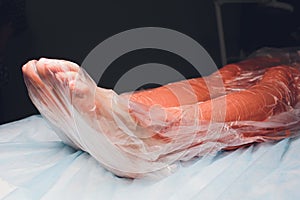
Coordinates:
[30,29]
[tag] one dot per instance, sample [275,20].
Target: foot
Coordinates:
[59,84]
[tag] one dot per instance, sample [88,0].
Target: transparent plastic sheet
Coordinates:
[288,55]
[138,134]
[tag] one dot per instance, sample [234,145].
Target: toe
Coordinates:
[47,68]
[44,67]
[30,73]
[66,77]
[55,65]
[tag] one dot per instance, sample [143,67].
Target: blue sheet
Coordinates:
[35,164]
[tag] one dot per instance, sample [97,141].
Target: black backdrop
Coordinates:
[30,29]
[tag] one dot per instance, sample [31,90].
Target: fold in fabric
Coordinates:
[31,153]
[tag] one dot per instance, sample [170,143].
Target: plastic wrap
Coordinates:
[138,133]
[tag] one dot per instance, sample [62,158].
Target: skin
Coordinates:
[196,90]
[56,86]
[277,88]
[268,97]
